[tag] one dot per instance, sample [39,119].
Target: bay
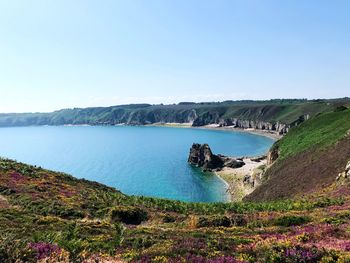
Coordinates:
[137,160]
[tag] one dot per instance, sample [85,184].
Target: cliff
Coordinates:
[273,115]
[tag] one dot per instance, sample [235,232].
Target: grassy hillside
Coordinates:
[284,111]
[310,157]
[320,132]
[52,217]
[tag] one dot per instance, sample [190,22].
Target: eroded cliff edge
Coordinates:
[277,116]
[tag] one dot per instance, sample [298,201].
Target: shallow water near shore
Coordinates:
[142,160]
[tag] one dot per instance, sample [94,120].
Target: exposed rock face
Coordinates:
[231,162]
[249,180]
[213,118]
[142,117]
[345,174]
[207,118]
[280,128]
[202,156]
[272,155]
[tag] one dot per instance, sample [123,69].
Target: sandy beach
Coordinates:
[270,134]
[266,133]
[242,181]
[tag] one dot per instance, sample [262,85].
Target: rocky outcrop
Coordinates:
[207,118]
[249,180]
[231,162]
[277,127]
[202,156]
[213,118]
[272,155]
[345,174]
[145,116]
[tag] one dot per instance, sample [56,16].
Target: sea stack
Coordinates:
[202,156]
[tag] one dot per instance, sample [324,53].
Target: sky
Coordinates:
[80,53]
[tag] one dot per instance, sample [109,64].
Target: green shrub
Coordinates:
[128,215]
[169,218]
[340,108]
[239,220]
[214,221]
[223,221]
[326,201]
[334,221]
[292,220]
[338,219]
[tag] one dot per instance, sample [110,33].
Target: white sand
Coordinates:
[235,178]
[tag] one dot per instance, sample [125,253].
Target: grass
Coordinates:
[292,220]
[319,132]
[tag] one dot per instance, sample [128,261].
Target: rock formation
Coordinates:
[231,162]
[272,155]
[212,118]
[345,174]
[202,156]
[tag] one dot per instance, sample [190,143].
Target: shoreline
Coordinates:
[242,181]
[227,187]
[265,133]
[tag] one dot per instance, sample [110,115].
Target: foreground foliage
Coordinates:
[53,217]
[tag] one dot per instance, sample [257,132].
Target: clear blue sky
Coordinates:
[75,53]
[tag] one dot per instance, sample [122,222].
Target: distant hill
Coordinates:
[309,157]
[276,115]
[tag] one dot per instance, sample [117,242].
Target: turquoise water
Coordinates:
[150,161]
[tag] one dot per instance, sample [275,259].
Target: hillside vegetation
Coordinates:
[52,217]
[310,157]
[320,132]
